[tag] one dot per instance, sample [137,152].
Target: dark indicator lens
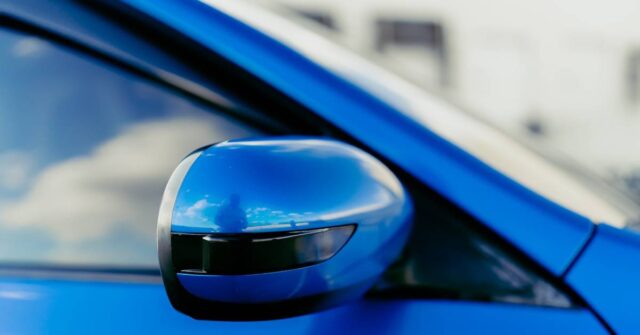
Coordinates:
[233,254]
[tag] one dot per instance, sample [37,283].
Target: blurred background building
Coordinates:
[562,74]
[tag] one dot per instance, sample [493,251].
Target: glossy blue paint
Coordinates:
[287,183]
[32,306]
[266,185]
[547,232]
[519,215]
[607,275]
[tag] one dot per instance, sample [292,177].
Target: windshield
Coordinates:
[566,158]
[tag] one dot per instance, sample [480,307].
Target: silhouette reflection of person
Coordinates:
[230,217]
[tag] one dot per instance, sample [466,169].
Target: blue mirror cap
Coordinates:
[278,187]
[281,184]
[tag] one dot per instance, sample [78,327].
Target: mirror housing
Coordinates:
[274,227]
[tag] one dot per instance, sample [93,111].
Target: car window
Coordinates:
[450,256]
[85,152]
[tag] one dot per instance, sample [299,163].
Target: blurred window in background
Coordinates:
[85,152]
[322,18]
[421,45]
[633,77]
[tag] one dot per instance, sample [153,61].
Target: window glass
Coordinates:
[449,256]
[85,152]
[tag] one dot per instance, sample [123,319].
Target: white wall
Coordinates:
[562,63]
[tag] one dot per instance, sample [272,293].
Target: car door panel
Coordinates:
[38,306]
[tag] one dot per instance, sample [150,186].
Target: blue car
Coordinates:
[178,166]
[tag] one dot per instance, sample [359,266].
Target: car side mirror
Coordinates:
[274,227]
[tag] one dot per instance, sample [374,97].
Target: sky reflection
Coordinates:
[83,166]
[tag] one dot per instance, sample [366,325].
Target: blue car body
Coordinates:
[596,261]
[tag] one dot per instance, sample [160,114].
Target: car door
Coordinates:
[87,143]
